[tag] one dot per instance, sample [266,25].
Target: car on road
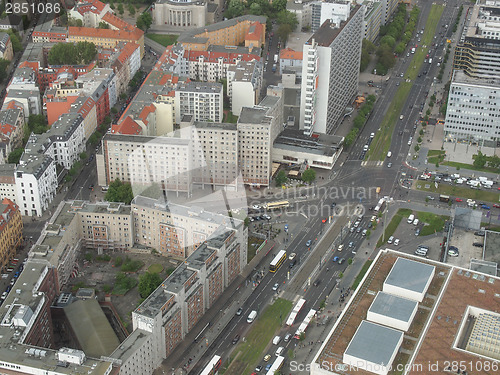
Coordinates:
[235,339]
[287,337]
[364,232]
[341,260]
[477,244]
[336,259]
[430,197]
[308,243]
[389,165]
[267,357]
[292,256]
[458,200]
[268,367]
[417,232]
[352,229]
[452,252]
[351,244]
[293,263]
[496,205]
[341,247]
[258,368]
[396,242]
[358,230]
[485,207]
[239,311]
[256,207]
[390,240]
[317,282]
[276,286]
[279,351]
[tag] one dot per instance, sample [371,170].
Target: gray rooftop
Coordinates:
[176,140]
[7,170]
[296,140]
[393,306]
[252,115]
[214,125]
[374,343]
[204,87]
[327,32]
[410,274]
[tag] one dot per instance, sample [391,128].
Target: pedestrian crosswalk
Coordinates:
[372,163]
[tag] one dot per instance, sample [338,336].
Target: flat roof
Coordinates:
[410,274]
[393,306]
[491,246]
[374,343]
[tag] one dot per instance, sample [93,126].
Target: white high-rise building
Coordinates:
[330,72]
[472,113]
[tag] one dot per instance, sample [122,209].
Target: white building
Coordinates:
[472,112]
[205,101]
[388,7]
[244,82]
[373,19]
[330,73]
[8,182]
[336,11]
[181,13]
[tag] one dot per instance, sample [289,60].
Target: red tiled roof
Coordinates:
[7,130]
[127,51]
[117,22]
[127,126]
[7,212]
[136,34]
[146,111]
[254,33]
[291,54]
[99,5]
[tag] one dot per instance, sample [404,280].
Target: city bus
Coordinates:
[277,205]
[212,367]
[295,312]
[277,261]
[305,324]
[444,198]
[277,365]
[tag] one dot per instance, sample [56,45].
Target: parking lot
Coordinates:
[463,240]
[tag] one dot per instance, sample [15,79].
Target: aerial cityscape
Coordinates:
[248,187]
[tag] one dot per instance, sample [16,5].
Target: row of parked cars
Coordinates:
[16,274]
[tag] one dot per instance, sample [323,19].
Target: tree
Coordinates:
[120,9]
[493,161]
[131,9]
[37,124]
[148,283]
[83,155]
[15,40]
[4,64]
[103,25]
[119,192]
[281,178]
[309,175]
[286,17]
[283,31]
[80,53]
[246,221]
[144,21]
[255,9]
[235,8]
[480,160]
[15,155]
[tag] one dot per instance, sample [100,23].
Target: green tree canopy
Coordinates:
[119,192]
[15,156]
[480,160]
[80,53]
[15,40]
[37,124]
[235,8]
[148,283]
[144,21]
[309,175]
[281,178]
[286,17]
[103,25]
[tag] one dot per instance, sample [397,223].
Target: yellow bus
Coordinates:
[277,261]
[277,205]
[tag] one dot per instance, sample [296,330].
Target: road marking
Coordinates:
[303,214]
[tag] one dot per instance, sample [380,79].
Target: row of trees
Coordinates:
[360,120]
[308,176]
[480,161]
[80,53]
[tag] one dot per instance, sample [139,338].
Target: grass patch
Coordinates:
[130,265]
[361,274]
[382,141]
[469,166]
[163,39]
[253,245]
[392,226]
[458,191]
[230,118]
[435,156]
[247,354]
[123,284]
[155,268]
[494,228]
[435,223]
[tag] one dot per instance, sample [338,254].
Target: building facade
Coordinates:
[204,101]
[11,231]
[244,84]
[330,73]
[179,13]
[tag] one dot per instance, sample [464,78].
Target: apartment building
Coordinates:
[6,50]
[303,10]
[212,65]
[190,13]
[478,52]
[90,12]
[330,73]
[11,128]
[291,60]
[388,8]
[11,231]
[244,83]
[47,30]
[258,127]
[373,19]
[204,101]
[229,32]
[8,182]
[336,11]
[472,112]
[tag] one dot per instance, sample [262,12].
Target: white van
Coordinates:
[415,222]
[389,154]
[421,252]
[251,316]
[276,340]
[279,351]
[411,218]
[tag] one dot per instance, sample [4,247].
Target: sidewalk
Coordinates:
[218,316]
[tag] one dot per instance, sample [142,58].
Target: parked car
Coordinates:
[430,197]
[417,232]
[452,252]
[391,238]
[477,244]
[258,368]
[396,242]
[292,256]
[485,207]
[458,200]
[267,357]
